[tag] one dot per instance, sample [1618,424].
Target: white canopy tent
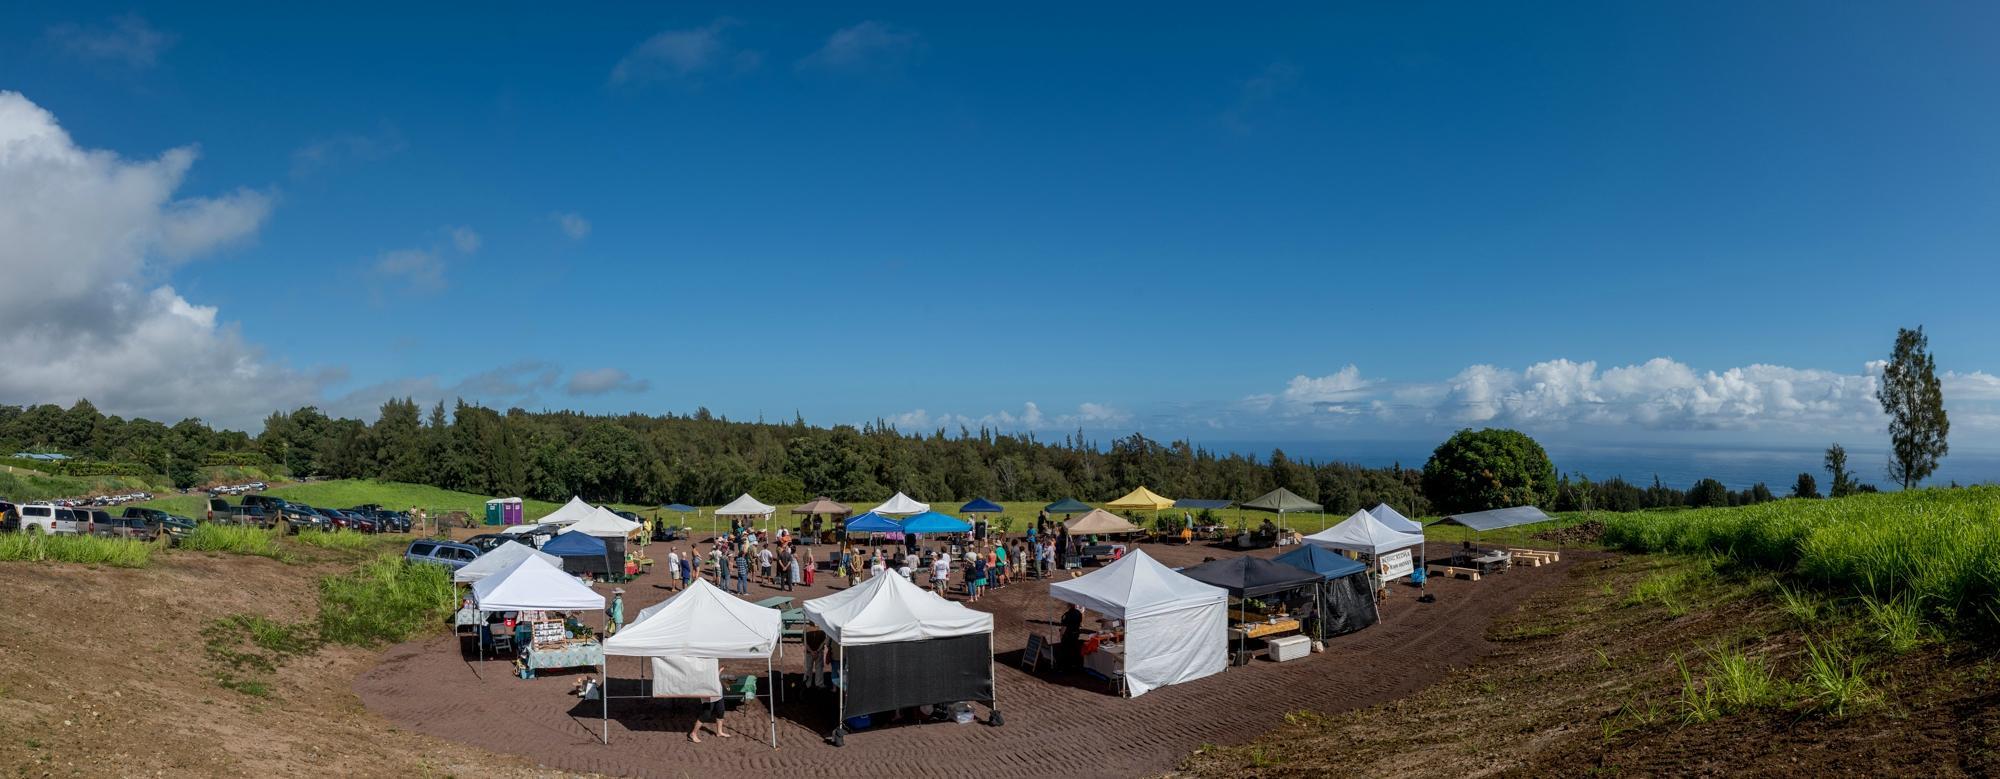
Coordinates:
[744,506]
[901,504]
[887,609]
[603,523]
[573,511]
[502,558]
[1395,520]
[1365,534]
[900,646]
[1176,628]
[686,635]
[533,584]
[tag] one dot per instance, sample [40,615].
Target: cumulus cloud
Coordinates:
[572,224]
[416,270]
[869,44]
[129,41]
[515,384]
[84,231]
[1030,418]
[335,151]
[684,56]
[605,380]
[465,239]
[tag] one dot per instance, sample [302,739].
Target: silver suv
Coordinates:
[54,520]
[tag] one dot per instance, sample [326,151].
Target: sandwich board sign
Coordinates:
[1396,565]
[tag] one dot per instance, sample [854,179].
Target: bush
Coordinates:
[91,550]
[234,539]
[385,601]
[1488,469]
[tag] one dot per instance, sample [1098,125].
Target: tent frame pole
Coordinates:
[776,686]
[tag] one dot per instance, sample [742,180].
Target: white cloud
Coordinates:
[337,150]
[684,56]
[1029,418]
[866,45]
[128,41]
[572,224]
[603,380]
[415,270]
[465,239]
[84,230]
[515,384]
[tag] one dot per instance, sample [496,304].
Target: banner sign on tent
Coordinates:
[1396,565]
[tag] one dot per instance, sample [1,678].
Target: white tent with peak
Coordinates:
[901,504]
[603,523]
[500,559]
[1365,534]
[889,608]
[573,511]
[534,585]
[1176,628]
[686,636]
[746,506]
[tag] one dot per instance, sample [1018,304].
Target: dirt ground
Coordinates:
[1586,682]
[1055,725]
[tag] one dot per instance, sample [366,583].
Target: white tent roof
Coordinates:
[519,529]
[1137,586]
[1395,519]
[603,523]
[572,511]
[700,621]
[1363,533]
[887,609]
[534,585]
[500,559]
[901,504]
[745,506]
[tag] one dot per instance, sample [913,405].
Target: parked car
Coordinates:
[445,553]
[121,527]
[219,510]
[176,527]
[10,517]
[388,521]
[352,520]
[47,518]
[487,542]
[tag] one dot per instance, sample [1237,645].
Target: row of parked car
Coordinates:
[456,554]
[141,524]
[236,489]
[266,511]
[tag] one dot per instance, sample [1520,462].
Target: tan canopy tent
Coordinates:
[1099,522]
[1141,499]
[823,505]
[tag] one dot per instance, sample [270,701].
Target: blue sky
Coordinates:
[1685,222]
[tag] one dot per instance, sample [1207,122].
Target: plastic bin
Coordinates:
[1287,648]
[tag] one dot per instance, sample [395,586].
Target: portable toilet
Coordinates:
[510,512]
[495,511]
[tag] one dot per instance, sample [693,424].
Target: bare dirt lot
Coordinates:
[1055,726]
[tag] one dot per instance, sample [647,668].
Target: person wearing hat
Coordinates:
[617,609]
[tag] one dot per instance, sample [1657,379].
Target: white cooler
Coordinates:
[1287,648]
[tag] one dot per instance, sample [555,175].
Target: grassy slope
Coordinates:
[21,484]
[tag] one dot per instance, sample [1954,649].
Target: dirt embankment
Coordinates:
[1588,681]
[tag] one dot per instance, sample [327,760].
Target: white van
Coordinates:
[51,519]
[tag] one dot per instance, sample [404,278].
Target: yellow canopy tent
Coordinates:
[1141,499]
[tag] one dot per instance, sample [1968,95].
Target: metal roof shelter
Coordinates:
[1482,521]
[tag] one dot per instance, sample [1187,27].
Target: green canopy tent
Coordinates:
[1282,501]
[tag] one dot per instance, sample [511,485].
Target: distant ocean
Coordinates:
[1677,465]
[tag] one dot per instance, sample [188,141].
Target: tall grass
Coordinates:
[92,550]
[343,540]
[1832,681]
[1939,548]
[385,601]
[234,539]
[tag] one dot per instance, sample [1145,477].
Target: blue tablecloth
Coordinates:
[467,617]
[574,655]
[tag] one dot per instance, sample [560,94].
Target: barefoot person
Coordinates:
[712,711]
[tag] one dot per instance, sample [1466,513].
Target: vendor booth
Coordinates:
[500,559]
[1279,593]
[1345,603]
[538,593]
[581,553]
[1395,520]
[1172,628]
[686,637]
[897,646]
[900,505]
[1099,523]
[615,531]
[935,523]
[570,512]
[1141,499]
[1281,501]
[1067,506]
[746,507]
[1363,534]
[503,511]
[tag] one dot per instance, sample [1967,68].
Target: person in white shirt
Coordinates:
[941,573]
[905,572]
[674,567]
[911,561]
[877,567]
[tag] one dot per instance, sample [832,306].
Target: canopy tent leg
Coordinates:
[992,682]
[772,710]
[604,693]
[840,714]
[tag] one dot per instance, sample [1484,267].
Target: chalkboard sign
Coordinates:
[1032,656]
[550,632]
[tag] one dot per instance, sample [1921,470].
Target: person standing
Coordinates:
[941,574]
[674,568]
[743,563]
[687,568]
[785,568]
[810,565]
[764,563]
[1069,651]
[617,610]
[975,579]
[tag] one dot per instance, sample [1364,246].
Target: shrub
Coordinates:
[234,539]
[387,600]
[91,550]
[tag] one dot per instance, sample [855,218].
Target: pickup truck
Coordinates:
[220,511]
[176,527]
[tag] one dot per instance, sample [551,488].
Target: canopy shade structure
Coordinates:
[823,505]
[981,506]
[872,522]
[1199,503]
[746,506]
[1099,522]
[1496,519]
[1176,628]
[934,522]
[1363,533]
[604,524]
[1395,519]
[887,609]
[1067,506]
[700,621]
[500,559]
[1250,577]
[1321,560]
[901,504]
[573,511]
[1281,500]
[1141,499]
[680,507]
[534,585]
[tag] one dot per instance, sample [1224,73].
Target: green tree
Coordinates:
[1805,487]
[1708,492]
[1913,398]
[1488,469]
[1841,482]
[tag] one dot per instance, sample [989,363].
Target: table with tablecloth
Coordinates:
[573,654]
[1243,630]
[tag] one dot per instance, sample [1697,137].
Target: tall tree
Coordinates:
[1842,483]
[1805,487]
[1913,398]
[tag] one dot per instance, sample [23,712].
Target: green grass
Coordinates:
[1895,623]
[385,601]
[347,540]
[1938,548]
[244,650]
[92,550]
[1832,681]
[235,539]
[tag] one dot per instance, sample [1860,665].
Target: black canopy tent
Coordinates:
[1346,600]
[1252,577]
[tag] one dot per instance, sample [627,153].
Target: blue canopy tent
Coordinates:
[872,522]
[580,553]
[1345,601]
[934,522]
[680,507]
[981,506]
[1067,506]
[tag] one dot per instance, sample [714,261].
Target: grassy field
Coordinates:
[91,550]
